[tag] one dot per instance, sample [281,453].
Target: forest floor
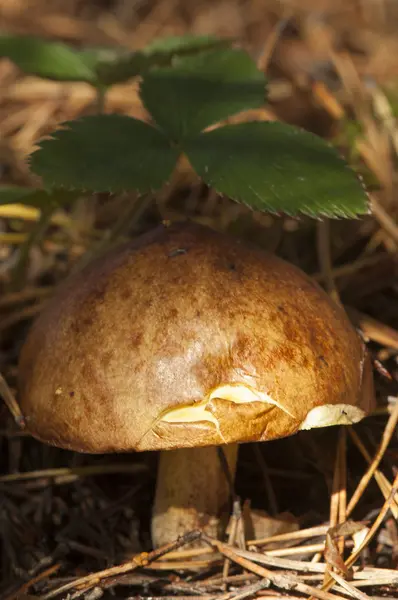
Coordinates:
[66,517]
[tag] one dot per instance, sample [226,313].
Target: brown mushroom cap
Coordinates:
[188,337]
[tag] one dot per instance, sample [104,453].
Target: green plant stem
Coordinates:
[101,97]
[127,218]
[18,273]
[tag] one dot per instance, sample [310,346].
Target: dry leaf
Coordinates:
[259,524]
[333,557]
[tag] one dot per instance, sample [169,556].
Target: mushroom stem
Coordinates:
[192,492]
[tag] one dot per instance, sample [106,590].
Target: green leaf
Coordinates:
[184,44]
[200,90]
[38,198]
[48,59]
[121,65]
[277,168]
[98,66]
[105,153]
[14,194]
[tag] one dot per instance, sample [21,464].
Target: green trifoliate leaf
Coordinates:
[277,168]
[197,91]
[48,59]
[105,153]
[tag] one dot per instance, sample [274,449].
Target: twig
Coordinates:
[140,560]
[20,593]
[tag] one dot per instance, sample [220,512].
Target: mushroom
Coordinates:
[181,341]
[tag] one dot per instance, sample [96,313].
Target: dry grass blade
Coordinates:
[381,479]
[339,490]
[374,330]
[11,403]
[29,213]
[351,268]
[25,295]
[352,591]
[23,314]
[325,260]
[71,473]
[277,552]
[233,532]
[248,590]
[13,239]
[302,534]
[370,534]
[282,563]
[19,270]
[326,74]
[188,565]
[323,95]
[386,438]
[294,535]
[385,221]
[300,550]
[183,554]
[335,548]
[285,582]
[93,596]
[270,45]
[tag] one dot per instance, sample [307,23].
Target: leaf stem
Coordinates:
[126,219]
[101,98]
